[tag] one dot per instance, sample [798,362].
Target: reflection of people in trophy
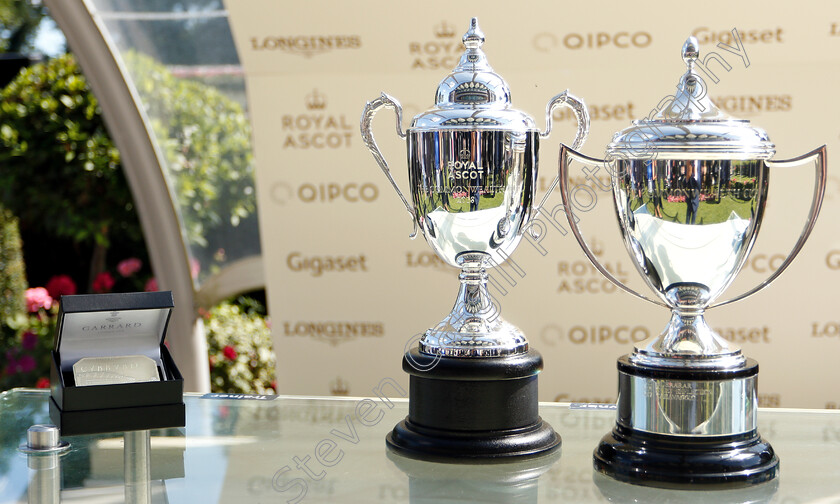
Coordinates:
[655,188]
[692,191]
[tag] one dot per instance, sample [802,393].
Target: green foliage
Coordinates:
[206,139]
[12,270]
[61,172]
[19,20]
[239,345]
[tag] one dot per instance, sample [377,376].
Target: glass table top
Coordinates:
[315,450]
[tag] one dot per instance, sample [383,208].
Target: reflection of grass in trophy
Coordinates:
[710,211]
[463,204]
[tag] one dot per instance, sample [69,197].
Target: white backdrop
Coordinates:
[347,289]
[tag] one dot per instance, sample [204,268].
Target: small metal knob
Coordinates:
[690,51]
[43,439]
[474,38]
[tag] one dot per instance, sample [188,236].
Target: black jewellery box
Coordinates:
[111,325]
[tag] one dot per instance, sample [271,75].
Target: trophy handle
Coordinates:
[582,114]
[563,174]
[819,191]
[371,108]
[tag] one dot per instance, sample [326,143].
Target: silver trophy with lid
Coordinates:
[472,172]
[690,186]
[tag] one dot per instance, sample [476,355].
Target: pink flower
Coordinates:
[151,285]
[129,266]
[26,363]
[60,285]
[29,340]
[103,282]
[229,352]
[195,267]
[42,383]
[37,298]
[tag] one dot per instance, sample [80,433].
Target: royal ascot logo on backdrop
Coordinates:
[316,129]
[440,52]
[752,105]
[333,332]
[581,277]
[618,112]
[547,42]
[317,266]
[306,45]
[555,335]
[706,35]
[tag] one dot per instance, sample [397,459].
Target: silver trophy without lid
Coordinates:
[472,172]
[690,186]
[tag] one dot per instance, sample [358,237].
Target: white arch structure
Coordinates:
[143,163]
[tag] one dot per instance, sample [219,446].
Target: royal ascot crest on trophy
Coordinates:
[690,186]
[472,171]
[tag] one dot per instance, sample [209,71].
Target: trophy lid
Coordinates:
[473,96]
[689,126]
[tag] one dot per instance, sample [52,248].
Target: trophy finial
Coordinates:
[474,37]
[690,51]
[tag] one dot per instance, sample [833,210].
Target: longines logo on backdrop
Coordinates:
[426,260]
[825,329]
[441,51]
[334,332]
[754,104]
[306,45]
[314,129]
[546,42]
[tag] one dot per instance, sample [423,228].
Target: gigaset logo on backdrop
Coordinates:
[334,332]
[316,129]
[747,104]
[443,51]
[306,45]
[605,112]
[546,42]
[707,35]
[319,265]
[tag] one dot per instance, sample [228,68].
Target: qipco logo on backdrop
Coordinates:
[832,259]
[546,42]
[555,335]
[324,192]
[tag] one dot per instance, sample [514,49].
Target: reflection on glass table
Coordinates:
[317,450]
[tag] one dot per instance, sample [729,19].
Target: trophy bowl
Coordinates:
[472,170]
[690,187]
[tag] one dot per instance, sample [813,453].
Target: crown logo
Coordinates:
[338,387]
[316,100]
[465,154]
[597,249]
[443,30]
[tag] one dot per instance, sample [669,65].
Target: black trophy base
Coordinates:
[472,409]
[680,462]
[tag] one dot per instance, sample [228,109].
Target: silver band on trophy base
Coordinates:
[472,172]
[690,187]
